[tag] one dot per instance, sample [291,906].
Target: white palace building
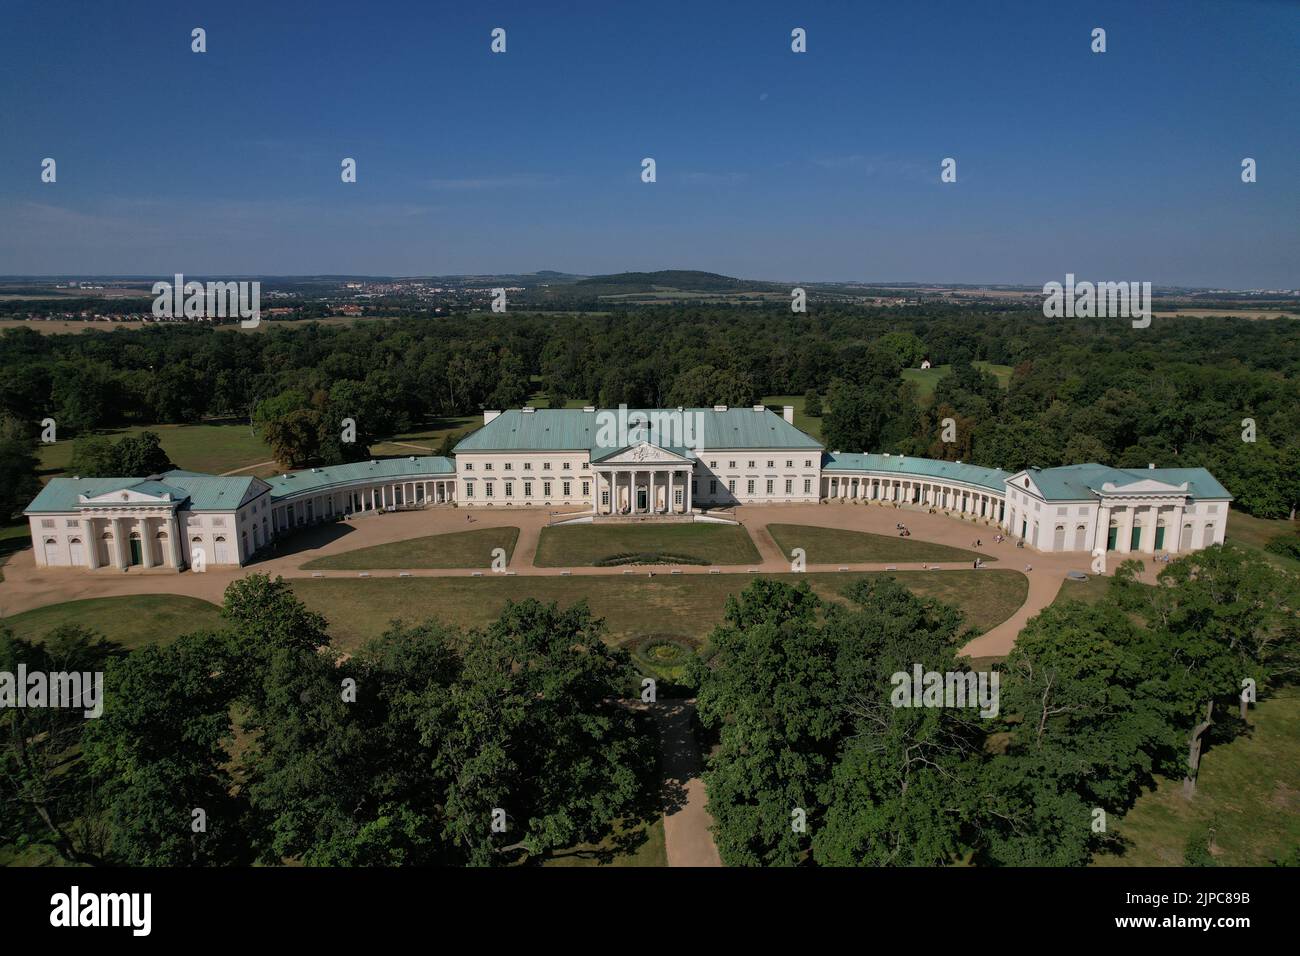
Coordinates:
[612,464]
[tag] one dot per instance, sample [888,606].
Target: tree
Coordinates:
[43,788]
[770,687]
[19,483]
[160,752]
[812,403]
[1223,618]
[138,456]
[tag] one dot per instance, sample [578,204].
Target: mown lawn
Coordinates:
[802,420]
[132,620]
[457,549]
[1248,790]
[583,545]
[1252,534]
[632,605]
[210,448]
[426,438]
[927,378]
[837,546]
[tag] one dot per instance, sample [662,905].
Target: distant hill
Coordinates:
[687,280]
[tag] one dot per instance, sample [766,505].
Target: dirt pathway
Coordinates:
[687,840]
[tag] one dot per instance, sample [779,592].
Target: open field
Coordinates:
[211,448]
[1248,790]
[458,549]
[802,421]
[927,378]
[132,621]
[425,439]
[1226,313]
[1252,534]
[586,544]
[632,605]
[836,546]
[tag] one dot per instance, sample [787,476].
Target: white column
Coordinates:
[1147,542]
[92,543]
[1126,531]
[174,543]
[119,544]
[1173,544]
[146,548]
[686,496]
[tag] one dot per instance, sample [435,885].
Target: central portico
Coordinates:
[642,479]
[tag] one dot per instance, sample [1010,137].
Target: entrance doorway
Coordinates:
[1112,538]
[1135,539]
[137,553]
[1160,537]
[641,499]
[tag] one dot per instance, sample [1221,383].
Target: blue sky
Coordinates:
[820,166]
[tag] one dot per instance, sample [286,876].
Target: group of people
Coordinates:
[902,531]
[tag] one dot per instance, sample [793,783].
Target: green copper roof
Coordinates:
[332,476]
[572,429]
[196,491]
[1082,482]
[991,478]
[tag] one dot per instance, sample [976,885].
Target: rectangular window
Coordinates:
[807,463]
[487,466]
[751,464]
[789,486]
[469,466]
[487,490]
[546,466]
[510,489]
[789,463]
[507,466]
[731,486]
[469,489]
[528,489]
[769,486]
[528,466]
[713,487]
[604,499]
[47,522]
[546,489]
[565,466]
[807,485]
[731,464]
[713,464]
[566,489]
[677,496]
[586,489]
[749,487]
[771,464]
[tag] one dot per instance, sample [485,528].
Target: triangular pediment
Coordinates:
[142,493]
[1143,486]
[642,453]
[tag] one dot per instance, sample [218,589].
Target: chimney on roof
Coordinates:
[760,408]
[1151,464]
[719,408]
[588,408]
[488,415]
[787,412]
[528,409]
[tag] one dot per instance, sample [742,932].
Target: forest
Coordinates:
[1218,392]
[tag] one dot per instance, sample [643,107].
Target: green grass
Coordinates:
[1252,534]
[647,848]
[632,605]
[927,378]
[426,438]
[457,549]
[837,546]
[1249,790]
[210,448]
[802,421]
[584,544]
[132,621]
